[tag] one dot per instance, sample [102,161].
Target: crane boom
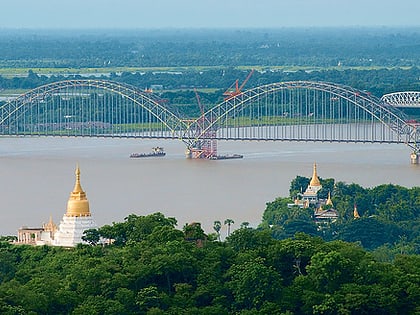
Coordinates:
[199,101]
[246,80]
[238,89]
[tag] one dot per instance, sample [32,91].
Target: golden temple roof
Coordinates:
[77,205]
[314,181]
[50,226]
[355,213]
[329,201]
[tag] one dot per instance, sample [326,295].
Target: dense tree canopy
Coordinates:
[388,214]
[154,268]
[179,48]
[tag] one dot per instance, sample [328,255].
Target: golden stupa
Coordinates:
[356,214]
[329,201]
[78,205]
[314,180]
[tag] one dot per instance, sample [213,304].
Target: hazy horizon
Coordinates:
[216,14]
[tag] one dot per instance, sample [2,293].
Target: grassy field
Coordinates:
[21,72]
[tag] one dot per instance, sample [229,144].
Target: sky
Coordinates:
[158,14]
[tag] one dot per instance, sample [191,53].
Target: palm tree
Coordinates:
[229,222]
[217,225]
[244,225]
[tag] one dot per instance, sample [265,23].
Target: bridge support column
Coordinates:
[415,157]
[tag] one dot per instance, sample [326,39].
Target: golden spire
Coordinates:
[77,205]
[329,201]
[50,226]
[315,180]
[355,212]
[319,209]
[77,187]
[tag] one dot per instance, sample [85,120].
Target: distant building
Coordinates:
[30,236]
[310,196]
[75,221]
[323,209]
[326,215]
[77,218]
[38,235]
[311,192]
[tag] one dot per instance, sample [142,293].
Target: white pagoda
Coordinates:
[77,218]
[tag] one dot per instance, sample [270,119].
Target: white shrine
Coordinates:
[77,218]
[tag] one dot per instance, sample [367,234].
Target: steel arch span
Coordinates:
[409,99]
[96,108]
[304,111]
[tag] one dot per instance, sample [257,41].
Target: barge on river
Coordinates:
[156,151]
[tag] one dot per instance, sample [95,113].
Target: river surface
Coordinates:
[37,176]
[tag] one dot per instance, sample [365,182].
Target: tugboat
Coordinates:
[156,151]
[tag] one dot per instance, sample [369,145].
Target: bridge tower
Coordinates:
[205,144]
[409,103]
[415,155]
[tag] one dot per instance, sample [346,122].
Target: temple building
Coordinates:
[329,214]
[311,193]
[310,196]
[324,211]
[69,233]
[37,236]
[77,218]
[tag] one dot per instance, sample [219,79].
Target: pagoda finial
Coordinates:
[315,179]
[355,212]
[78,205]
[329,201]
[77,186]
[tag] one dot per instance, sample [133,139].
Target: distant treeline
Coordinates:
[321,47]
[376,81]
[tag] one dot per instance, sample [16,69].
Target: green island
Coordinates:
[365,261]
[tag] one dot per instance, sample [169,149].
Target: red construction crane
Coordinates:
[206,146]
[199,101]
[235,89]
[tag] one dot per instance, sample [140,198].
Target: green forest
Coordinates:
[369,265]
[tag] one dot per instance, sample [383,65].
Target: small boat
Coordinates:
[156,151]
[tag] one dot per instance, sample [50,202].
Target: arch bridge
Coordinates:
[408,99]
[284,111]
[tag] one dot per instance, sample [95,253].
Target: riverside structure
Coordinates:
[69,233]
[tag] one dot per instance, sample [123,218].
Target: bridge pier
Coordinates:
[415,157]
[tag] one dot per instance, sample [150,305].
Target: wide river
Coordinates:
[37,176]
